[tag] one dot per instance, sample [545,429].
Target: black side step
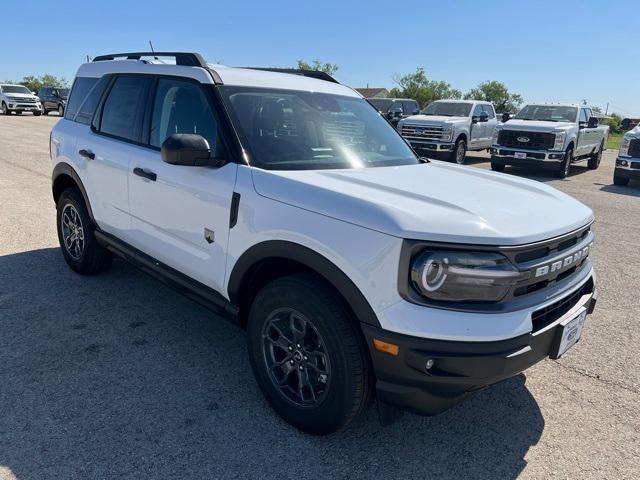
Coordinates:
[189,287]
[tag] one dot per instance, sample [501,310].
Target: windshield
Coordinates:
[294,130]
[14,89]
[63,92]
[548,113]
[381,104]
[448,109]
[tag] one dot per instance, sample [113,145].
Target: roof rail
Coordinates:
[182,58]
[317,74]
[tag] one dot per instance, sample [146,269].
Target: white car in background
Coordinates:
[450,127]
[18,98]
[628,161]
[554,135]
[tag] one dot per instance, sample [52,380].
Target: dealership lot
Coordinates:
[118,375]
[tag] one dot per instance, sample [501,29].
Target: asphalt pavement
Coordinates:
[118,376]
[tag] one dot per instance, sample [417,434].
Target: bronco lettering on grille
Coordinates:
[563,263]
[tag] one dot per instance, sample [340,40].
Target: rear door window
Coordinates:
[123,110]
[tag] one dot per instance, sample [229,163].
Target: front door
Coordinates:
[180,214]
[477,129]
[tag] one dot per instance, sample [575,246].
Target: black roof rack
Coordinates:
[317,74]
[182,58]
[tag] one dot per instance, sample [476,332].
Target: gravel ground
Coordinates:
[118,376]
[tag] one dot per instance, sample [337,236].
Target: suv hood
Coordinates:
[535,125]
[21,95]
[434,119]
[434,201]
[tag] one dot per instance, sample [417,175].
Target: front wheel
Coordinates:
[619,180]
[37,113]
[565,166]
[459,151]
[80,249]
[5,110]
[306,354]
[594,160]
[61,110]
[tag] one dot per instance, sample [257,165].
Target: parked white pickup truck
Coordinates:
[554,135]
[452,127]
[628,161]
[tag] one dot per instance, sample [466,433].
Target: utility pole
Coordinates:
[606,109]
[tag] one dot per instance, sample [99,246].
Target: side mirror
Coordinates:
[188,150]
[479,118]
[484,117]
[506,117]
[34,93]
[593,122]
[416,111]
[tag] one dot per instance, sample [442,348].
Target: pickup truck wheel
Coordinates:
[565,166]
[594,160]
[497,167]
[5,110]
[79,246]
[459,153]
[618,180]
[306,354]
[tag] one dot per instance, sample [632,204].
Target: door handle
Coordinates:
[141,172]
[88,154]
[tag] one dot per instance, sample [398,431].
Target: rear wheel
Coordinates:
[594,160]
[565,166]
[497,167]
[459,153]
[619,180]
[306,354]
[76,230]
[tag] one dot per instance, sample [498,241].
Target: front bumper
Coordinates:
[512,156]
[461,367]
[627,167]
[24,107]
[431,146]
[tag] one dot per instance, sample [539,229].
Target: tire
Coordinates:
[61,110]
[497,167]
[37,113]
[324,404]
[81,250]
[5,110]
[618,180]
[45,111]
[594,160]
[18,112]
[565,167]
[459,153]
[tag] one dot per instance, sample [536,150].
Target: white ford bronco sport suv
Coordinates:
[290,205]
[549,135]
[451,127]
[18,98]
[628,161]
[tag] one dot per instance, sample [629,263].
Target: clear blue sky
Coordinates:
[544,50]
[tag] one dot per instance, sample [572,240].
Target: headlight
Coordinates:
[624,147]
[463,276]
[494,140]
[448,131]
[560,138]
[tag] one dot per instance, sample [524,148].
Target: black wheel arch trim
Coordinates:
[64,168]
[313,260]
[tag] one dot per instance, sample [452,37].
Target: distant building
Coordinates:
[373,92]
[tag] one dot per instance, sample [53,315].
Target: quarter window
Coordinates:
[181,107]
[85,112]
[123,110]
[81,87]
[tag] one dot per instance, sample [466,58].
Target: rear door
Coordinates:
[180,214]
[108,147]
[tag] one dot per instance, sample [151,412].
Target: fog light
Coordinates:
[429,364]
[624,163]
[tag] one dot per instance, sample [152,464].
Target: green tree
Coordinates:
[417,86]
[34,83]
[614,123]
[329,68]
[498,94]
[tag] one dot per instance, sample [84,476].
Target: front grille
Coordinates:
[424,132]
[634,148]
[25,100]
[546,316]
[536,140]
